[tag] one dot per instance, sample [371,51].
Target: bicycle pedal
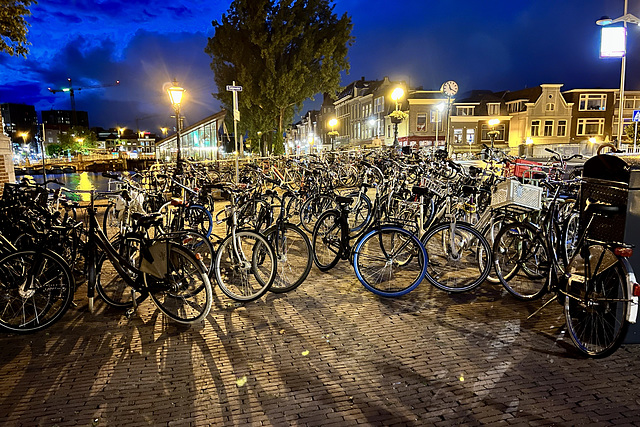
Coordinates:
[130,312]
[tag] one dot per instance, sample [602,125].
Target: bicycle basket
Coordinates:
[518,197]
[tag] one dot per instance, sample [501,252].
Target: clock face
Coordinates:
[450,88]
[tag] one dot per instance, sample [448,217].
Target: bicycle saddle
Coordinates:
[146,220]
[344,200]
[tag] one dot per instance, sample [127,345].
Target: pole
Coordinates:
[437,118]
[44,170]
[622,75]
[178,148]
[635,138]
[446,142]
[235,131]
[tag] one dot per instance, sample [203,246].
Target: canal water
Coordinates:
[75,181]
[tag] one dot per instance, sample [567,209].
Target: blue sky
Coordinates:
[496,45]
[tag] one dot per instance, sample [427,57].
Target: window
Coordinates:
[493,109]
[590,127]
[551,106]
[485,132]
[421,126]
[548,128]
[471,136]
[378,106]
[562,128]
[465,111]
[631,102]
[535,127]
[592,102]
[389,131]
[457,136]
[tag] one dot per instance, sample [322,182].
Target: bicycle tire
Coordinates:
[458,268]
[380,261]
[27,310]
[359,212]
[294,256]
[326,240]
[112,220]
[519,244]
[111,287]
[248,279]
[312,208]
[184,294]
[596,310]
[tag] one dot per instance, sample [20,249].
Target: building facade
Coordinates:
[200,141]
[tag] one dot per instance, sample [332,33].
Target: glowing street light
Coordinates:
[493,133]
[618,36]
[397,95]
[333,123]
[175,94]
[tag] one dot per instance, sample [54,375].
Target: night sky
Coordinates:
[496,45]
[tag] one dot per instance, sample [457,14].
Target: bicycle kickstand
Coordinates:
[131,311]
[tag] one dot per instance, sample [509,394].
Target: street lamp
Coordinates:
[493,133]
[627,18]
[332,123]
[175,94]
[396,95]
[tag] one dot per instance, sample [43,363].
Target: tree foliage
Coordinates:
[79,139]
[14,27]
[281,52]
[631,132]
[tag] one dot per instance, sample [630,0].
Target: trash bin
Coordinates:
[615,180]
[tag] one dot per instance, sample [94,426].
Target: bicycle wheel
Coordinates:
[359,212]
[596,308]
[312,209]
[200,246]
[459,257]
[521,260]
[111,287]
[113,219]
[570,235]
[326,240]
[245,266]
[184,293]
[36,289]
[198,218]
[381,261]
[490,232]
[293,252]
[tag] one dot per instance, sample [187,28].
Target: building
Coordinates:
[592,118]
[21,124]
[469,121]
[540,119]
[126,142]
[426,125]
[200,141]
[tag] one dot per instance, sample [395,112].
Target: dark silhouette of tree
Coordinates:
[14,27]
[281,52]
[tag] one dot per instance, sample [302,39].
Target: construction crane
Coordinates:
[72,91]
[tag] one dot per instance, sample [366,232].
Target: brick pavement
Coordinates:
[329,353]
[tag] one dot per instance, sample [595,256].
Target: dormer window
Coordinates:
[493,109]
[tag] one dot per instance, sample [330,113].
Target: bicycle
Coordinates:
[596,287]
[168,272]
[387,259]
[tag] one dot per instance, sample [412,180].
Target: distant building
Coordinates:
[200,141]
[19,120]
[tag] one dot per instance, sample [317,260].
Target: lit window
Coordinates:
[421,125]
[592,102]
[548,128]
[590,127]
[493,109]
[457,136]
[487,128]
[551,107]
[471,136]
[562,128]
[465,111]
[535,127]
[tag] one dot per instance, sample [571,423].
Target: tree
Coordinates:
[53,149]
[13,26]
[281,52]
[631,132]
[78,139]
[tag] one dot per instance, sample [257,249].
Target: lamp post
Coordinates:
[438,108]
[493,133]
[332,123]
[627,18]
[175,94]
[396,95]
[25,149]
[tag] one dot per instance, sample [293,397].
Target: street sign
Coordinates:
[636,115]
[232,88]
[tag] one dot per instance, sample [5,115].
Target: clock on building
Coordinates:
[449,88]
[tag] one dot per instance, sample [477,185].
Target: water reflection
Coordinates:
[75,181]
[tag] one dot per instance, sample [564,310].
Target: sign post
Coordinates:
[236,117]
[636,119]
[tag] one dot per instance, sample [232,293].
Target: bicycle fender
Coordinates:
[630,276]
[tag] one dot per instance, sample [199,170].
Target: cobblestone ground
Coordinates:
[329,353]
